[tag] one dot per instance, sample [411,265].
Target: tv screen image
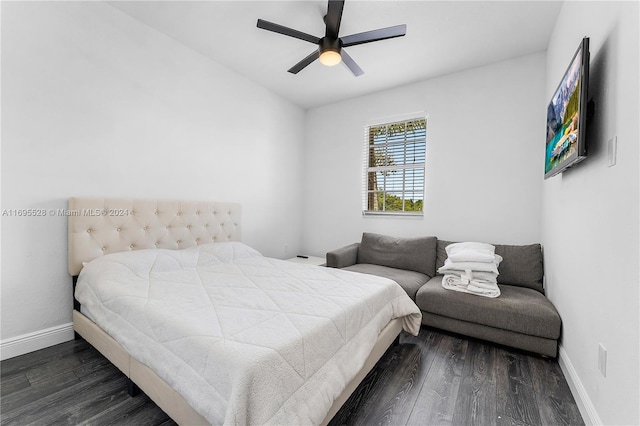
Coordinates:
[566,116]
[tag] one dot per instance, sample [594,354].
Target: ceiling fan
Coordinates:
[331,47]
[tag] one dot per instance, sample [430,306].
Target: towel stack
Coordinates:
[471,268]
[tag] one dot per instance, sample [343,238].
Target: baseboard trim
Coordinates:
[37,340]
[586,407]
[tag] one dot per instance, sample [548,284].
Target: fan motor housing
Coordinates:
[327,43]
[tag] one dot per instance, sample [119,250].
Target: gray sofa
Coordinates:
[521,317]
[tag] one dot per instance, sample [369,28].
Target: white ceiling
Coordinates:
[442,37]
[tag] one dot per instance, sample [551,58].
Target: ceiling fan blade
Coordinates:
[270,26]
[303,63]
[351,64]
[333,17]
[374,35]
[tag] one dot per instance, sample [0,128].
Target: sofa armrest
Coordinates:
[343,257]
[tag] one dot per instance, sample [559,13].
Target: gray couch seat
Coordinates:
[408,261]
[410,281]
[518,309]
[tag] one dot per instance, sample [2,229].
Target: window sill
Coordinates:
[396,215]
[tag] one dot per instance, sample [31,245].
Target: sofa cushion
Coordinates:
[441,253]
[520,266]
[410,281]
[414,254]
[519,309]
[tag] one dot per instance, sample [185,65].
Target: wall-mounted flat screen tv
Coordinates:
[567,116]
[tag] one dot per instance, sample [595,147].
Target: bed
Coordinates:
[210,329]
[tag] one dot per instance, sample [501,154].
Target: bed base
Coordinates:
[139,375]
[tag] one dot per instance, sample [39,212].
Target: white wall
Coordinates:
[96,104]
[484,158]
[590,214]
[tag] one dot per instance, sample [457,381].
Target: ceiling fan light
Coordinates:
[330,58]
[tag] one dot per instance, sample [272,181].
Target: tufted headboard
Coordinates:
[99,226]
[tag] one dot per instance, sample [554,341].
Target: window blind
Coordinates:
[394,165]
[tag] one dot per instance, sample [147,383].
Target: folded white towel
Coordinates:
[487,285]
[478,288]
[491,277]
[453,282]
[471,268]
[469,246]
[475,266]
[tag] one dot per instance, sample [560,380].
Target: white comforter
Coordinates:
[243,338]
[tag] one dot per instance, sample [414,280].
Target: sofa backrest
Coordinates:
[521,265]
[414,254]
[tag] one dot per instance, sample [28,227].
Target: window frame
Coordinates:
[366,169]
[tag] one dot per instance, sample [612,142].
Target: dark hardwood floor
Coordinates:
[433,379]
[440,378]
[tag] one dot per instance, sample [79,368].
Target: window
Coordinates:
[394,167]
